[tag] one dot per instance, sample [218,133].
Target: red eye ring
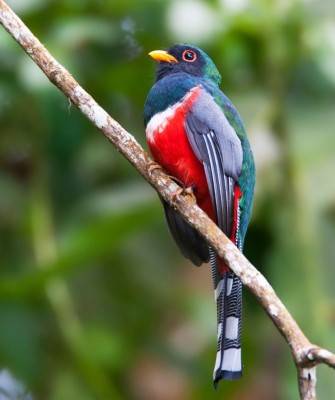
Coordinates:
[189,56]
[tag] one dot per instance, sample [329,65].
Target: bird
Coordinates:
[197,136]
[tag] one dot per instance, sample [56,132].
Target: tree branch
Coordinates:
[305,354]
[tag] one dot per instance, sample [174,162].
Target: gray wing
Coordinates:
[218,147]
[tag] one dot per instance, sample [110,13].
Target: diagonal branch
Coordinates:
[306,355]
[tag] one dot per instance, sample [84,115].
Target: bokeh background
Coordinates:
[95,300]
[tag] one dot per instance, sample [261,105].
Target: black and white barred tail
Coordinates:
[228,297]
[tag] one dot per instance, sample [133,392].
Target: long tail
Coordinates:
[228,296]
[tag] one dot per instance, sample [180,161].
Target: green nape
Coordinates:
[210,71]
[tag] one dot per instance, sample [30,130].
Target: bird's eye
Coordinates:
[189,56]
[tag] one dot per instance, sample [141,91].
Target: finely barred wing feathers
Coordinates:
[217,145]
[221,186]
[206,116]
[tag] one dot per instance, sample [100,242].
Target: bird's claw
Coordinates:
[152,166]
[184,191]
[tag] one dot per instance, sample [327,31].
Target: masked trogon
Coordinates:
[195,133]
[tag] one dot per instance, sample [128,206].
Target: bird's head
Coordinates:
[187,59]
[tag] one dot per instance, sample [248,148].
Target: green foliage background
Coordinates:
[95,300]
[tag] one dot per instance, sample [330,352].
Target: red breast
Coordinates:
[170,147]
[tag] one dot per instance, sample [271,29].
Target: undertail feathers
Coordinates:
[228,297]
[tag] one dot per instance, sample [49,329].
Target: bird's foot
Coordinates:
[152,166]
[183,190]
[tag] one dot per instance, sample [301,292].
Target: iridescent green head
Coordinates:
[185,58]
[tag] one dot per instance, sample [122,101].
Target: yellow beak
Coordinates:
[161,55]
